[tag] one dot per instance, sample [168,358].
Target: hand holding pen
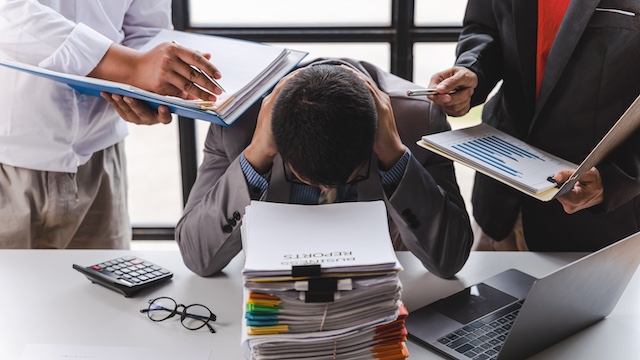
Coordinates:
[451,89]
[194,67]
[167,69]
[426,92]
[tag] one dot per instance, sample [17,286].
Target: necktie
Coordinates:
[328,197]
[550,14]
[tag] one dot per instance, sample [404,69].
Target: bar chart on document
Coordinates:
[485,148]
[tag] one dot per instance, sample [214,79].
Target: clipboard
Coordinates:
[466,147]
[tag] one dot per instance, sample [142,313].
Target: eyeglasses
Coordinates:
[289,176]
[192,317]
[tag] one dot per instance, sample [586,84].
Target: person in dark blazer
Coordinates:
[564,107]
[371,127]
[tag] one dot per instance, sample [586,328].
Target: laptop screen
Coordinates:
[472,303]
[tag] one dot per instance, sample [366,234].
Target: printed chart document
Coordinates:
[522,166]
[249,69]
[351,236]
[58,352]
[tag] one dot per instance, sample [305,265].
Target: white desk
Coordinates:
[43,300]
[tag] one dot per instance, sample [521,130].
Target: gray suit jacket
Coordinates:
[592,76]
[426,211]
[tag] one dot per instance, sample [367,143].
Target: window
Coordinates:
[289,13]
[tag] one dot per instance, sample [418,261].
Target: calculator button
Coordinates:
[125,282]
[96,267]
[137,261]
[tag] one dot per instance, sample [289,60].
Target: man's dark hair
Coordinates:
[324,124]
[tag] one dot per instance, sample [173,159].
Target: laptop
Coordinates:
[513,315]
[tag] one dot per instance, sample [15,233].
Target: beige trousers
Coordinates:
[513,242]
[53,210]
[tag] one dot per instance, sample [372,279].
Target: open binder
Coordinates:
[520,165]
[249,69]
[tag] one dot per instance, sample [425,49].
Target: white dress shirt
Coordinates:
[45,125]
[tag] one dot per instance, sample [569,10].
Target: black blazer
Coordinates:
[592,76]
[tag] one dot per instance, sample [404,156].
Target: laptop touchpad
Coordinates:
[472,303]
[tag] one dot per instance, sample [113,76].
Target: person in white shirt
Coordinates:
[62,167]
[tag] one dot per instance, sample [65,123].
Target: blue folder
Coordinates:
[181,107]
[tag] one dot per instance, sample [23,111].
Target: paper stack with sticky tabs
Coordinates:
[321,283]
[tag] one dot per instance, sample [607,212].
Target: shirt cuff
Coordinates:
[80,53]
[257,183]
[391,178]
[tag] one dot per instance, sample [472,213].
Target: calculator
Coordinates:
[127,275]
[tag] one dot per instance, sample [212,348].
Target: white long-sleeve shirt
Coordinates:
[45,125]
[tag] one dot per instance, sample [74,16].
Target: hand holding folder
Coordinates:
[522,166]
[250,69]
[166,69]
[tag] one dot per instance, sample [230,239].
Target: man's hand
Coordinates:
[457,78]
[587,191]
[388,146]
[263,149]
[137,112]
[166,70]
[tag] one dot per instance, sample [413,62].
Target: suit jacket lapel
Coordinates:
[570,32]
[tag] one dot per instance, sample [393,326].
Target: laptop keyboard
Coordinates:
[483,338]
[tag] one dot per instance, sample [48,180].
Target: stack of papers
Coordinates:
[321,283]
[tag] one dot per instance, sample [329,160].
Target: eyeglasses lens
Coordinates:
[161,309]
[195,316]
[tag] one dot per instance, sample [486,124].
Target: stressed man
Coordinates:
[335,130]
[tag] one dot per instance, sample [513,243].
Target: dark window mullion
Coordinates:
[402,45]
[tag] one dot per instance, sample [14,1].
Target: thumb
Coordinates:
[561,176]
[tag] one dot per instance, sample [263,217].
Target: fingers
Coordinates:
[137,112]
[457,104]
[457,78]
[460,77]
[388,146]
[268,100]
[192,73]
[587,192]
[562,176]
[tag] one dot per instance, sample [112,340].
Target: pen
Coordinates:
[423,92]
[203,74]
